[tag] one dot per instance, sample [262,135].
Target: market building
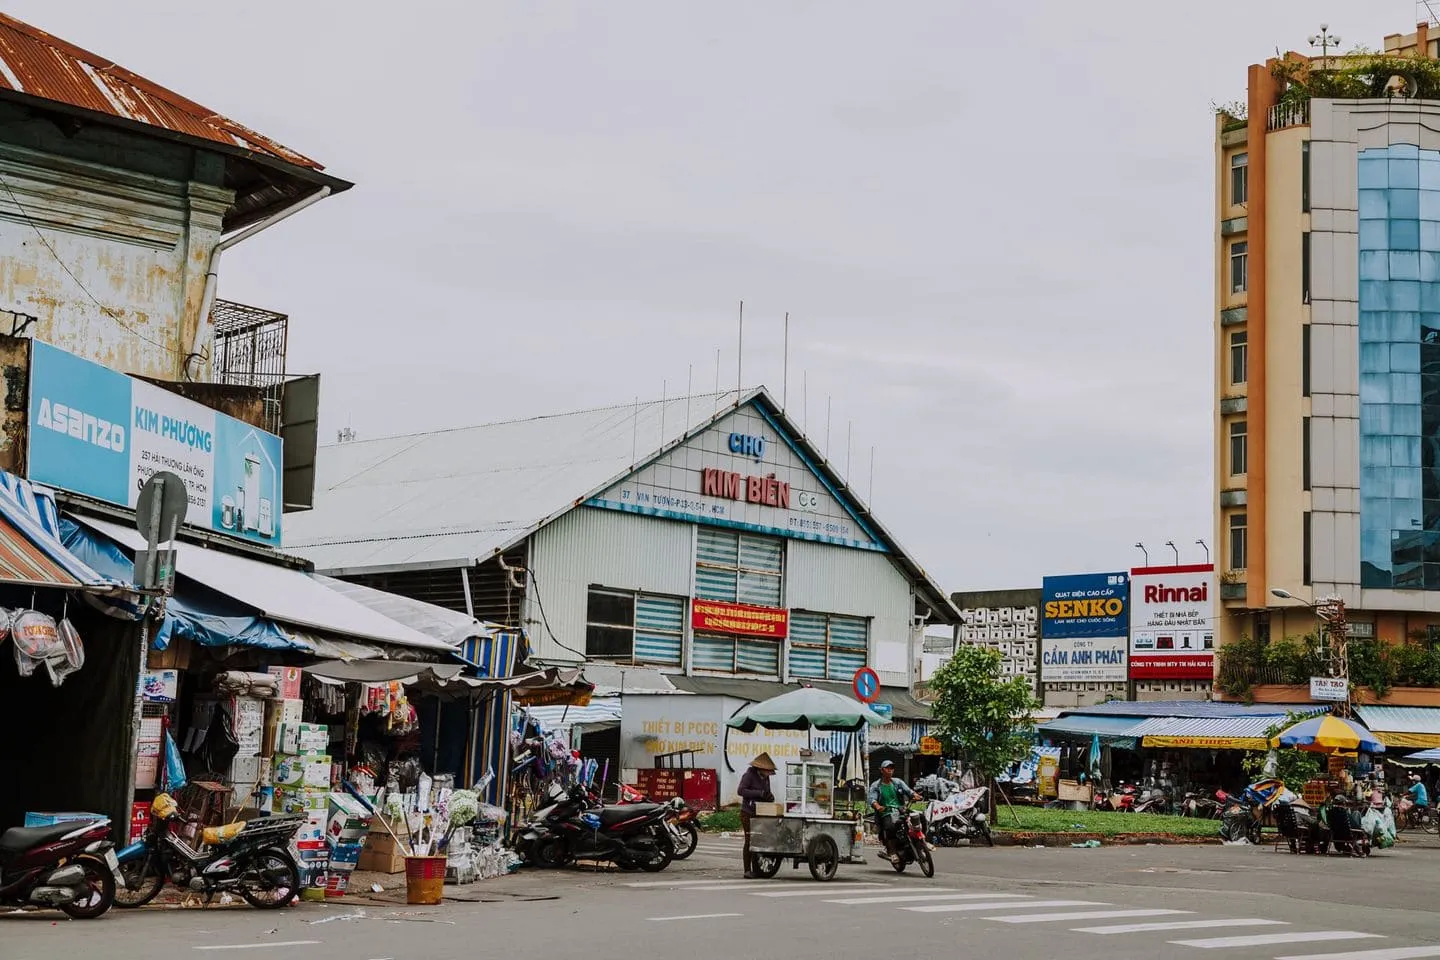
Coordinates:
[701,552]
[118,198]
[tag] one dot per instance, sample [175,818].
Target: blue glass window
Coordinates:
[1404,204]
[1374,172]
[1404,173]
[1404,235]
[1404,264]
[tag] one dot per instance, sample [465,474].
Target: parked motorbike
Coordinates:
[1243,817]
[907,843]
[1199,805]
[959,817]
[681,826]
[249,857]
[632,836]
[71,867]
[1153,800]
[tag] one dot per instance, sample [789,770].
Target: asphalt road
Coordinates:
[1111,903]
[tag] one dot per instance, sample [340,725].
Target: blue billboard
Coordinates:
[100,433]
[1085,628]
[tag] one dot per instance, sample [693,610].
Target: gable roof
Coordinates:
[37,66]
[458,497]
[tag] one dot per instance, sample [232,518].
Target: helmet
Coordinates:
[164,806]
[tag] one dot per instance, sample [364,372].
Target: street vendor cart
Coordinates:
[803,828]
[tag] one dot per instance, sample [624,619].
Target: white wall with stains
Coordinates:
[110,262]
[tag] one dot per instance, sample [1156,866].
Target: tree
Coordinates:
[980,713]
[1294,767]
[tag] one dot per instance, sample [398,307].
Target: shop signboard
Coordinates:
[99,433]
[1084,621]
[1172,622]
[930,747]
[1329,688]
[746,620]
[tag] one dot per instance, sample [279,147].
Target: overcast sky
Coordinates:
[989,220]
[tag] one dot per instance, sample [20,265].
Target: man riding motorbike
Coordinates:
[888,797]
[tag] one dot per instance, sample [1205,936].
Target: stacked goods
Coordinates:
[348,824]
[300,772]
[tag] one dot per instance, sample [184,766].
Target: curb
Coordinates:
[1026,839]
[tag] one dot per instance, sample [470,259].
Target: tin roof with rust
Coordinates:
[34,63]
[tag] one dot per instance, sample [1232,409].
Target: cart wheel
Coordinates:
[824,857]
[764,866]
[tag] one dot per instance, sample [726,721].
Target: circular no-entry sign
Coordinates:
[867,685]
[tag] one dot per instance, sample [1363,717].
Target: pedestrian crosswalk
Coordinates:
[1167,928]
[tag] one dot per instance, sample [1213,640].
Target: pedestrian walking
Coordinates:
[754,788]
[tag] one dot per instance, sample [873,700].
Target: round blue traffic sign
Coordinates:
[867,684]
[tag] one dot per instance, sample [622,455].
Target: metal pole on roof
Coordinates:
[664,396]
[785,377]
[740,356]
[635,431]
[689,392]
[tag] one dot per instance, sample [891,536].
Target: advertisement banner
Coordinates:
[100,433]
[1172,622]
[1084,627]
[714,616]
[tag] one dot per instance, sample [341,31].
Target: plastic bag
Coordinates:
[174,766]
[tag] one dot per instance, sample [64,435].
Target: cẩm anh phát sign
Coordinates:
[102,434]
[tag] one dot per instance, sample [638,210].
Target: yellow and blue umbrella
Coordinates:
[1329,734]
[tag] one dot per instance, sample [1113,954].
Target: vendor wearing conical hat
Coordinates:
[754,788]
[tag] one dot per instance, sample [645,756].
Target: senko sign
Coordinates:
[1084,628]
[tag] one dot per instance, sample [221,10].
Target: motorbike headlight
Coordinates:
[981,818]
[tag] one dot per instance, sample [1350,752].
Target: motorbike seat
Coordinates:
[610,816]
[17,840]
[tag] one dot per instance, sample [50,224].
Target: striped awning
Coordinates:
[24,563]
[31,552]
[1402,726]
[1210,733]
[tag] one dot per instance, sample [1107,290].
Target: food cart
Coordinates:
[803,827]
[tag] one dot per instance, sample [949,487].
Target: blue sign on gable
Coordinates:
[747,446]
[99,433]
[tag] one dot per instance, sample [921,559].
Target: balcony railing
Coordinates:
[1285,115]
[250,352]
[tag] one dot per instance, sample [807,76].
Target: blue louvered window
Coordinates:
[825,646]
[626,627]
[731,654]
[739,567]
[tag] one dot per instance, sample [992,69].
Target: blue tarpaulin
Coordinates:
[195,612]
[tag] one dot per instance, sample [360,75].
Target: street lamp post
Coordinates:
[1141,548]
[1171,545]
[1325,40]
[1331,613]
[1204,546]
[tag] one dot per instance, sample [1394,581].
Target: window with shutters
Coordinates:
[627,627]
[739,567]
[734,654]
[825,646]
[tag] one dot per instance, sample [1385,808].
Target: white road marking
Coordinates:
[821,890]
[919,896]
[1086,915]
[695,916]
[1179,925]
[1386,953]
[702,884]
[258,946]
[1001,905]
[1260,940]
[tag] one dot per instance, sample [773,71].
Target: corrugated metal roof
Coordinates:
[34,63]
[457,497]
[1208,726]
[598,710]
[1400,719]
[1187,708]
[1087,724]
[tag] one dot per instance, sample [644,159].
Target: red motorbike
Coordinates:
[71,867]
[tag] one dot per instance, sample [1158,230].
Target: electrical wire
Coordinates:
[71,273]
[535,582]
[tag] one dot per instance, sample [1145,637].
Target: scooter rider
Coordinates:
[888,797]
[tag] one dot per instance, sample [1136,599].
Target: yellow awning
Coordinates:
[1405,740]
[1207,743]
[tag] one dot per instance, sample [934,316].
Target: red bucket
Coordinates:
[424,880]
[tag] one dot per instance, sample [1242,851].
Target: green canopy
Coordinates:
[805,708]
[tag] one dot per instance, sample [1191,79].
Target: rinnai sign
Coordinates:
[713,616]
[1172,622]
[1084,628]
[766,491]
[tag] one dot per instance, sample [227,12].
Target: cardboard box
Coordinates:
[381,854]
[287,681]
[345,856]
[311,772]
[313,828]
[303,739]
[139,819]
[311,851]
[769,809]
[336,884]
[302,800]
[349,820]
[291,711]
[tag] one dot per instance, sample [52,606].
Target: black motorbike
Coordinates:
[633,836]
[251,858]
[907,841]
[68,866]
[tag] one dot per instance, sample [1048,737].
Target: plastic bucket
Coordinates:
[424,880]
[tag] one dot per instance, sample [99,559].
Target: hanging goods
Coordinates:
[39,639]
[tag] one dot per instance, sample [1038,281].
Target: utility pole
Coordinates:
[1331,611]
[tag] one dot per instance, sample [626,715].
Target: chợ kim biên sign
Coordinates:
[99,433]
[1084,628]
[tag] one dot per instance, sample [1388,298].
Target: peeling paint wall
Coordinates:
[110,262]
[242,403]
[14,404]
